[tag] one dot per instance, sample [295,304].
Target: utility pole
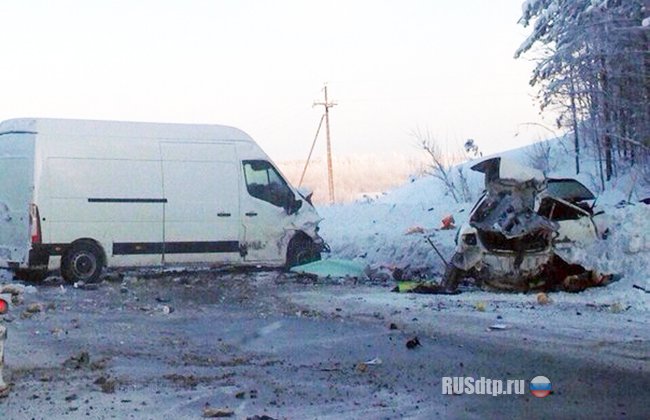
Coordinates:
[330,176]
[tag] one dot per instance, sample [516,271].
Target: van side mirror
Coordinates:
[293,206]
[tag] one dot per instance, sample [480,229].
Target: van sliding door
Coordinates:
[202,207]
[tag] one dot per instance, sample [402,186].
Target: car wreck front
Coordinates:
[517,226]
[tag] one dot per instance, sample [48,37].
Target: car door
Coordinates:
[265,203]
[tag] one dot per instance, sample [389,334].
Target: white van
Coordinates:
[83,195]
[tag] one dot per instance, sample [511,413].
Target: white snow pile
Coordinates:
[391,232]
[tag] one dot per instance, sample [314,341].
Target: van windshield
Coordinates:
[265,183]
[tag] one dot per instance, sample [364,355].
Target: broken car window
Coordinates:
[265,183]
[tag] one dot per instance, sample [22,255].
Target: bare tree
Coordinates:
[441,167]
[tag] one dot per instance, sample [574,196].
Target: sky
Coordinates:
[392,67]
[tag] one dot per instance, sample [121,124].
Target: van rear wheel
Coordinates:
[301,250]
[83,261]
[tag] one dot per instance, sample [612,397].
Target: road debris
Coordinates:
[498,327]
[413,343]
[480,306]
[210,412]
[79,361]
[363,366]
[413,230]
[636,286]
[543,299]
[447,222]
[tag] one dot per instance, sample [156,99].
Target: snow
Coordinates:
[391,232]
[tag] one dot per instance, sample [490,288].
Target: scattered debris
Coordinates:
[32,310]
[393,326]
[497,327]
[209,412]
[35,308]
[413,343]
[85,286]
[13,289]
[363,366]
[166,309]
[108,387]
[82,360]
[617,308]
[423,287]
[543,299]
[447,222]
[480,306]
[414,229]
[636,286]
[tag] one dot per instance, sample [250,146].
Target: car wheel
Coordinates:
[83,261]
[301,250]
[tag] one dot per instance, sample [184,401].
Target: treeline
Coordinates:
[593,70]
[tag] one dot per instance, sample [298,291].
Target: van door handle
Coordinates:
[251,214]
[223,214]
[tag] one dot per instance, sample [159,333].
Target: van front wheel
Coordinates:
[82,262]
[301,250]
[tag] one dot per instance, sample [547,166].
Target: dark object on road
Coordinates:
[423,287]
[79,361]
[519,226]
[636,286]
[413,343]
[210,412]
[393,326]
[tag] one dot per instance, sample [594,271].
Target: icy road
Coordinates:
[268,343]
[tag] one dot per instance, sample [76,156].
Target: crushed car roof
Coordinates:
[500,168]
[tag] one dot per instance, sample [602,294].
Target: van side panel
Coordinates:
[110,194]
[200,184]
[16,189]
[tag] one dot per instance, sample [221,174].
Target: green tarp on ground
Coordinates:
[332,268]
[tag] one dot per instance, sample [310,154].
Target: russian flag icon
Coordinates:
[540,386]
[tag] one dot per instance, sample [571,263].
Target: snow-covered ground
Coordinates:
[379,232]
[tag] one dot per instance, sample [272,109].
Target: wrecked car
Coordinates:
[519,228]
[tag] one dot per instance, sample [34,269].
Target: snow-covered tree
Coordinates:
[593,69]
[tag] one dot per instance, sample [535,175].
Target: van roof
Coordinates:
[123,129]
